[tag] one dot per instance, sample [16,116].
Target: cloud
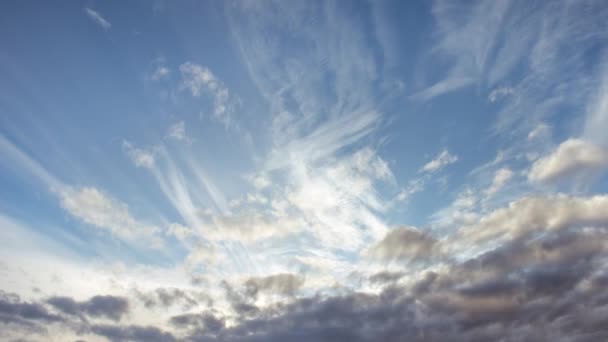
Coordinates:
[444,158]
[111,307]
[500,92]
[139,157]
[177,131]
[97,18]
[199,79]
[405,244]
[529,214]
[277,284]
[94,207]
[574,159]
[501,177]
[160,73]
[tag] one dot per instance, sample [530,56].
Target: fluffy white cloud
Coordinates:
[572,159]
[444,158]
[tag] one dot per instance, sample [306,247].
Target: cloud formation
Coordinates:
[572,159]
[97,18]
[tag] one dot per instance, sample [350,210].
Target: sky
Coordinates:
[304,171]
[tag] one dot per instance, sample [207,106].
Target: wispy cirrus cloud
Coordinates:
[97,18]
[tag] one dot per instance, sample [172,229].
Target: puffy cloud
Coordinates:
[573,158]
[444,158]
[529,214]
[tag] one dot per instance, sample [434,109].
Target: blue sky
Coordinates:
[301,149]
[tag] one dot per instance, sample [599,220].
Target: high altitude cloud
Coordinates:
[94,207]
[97,18]
[198,80]
[444,158]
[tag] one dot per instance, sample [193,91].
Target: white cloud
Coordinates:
[160,73]
[413,187]
[198,80]
[97,18]
[501,177]
[500,92]
[94,207]
[444,158]
[573,158]
[541,130]
[139,157]
[177,131]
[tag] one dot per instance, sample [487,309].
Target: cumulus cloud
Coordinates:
[97,18]
[444,158]
[573,159]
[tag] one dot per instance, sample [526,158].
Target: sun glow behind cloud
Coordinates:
[314,171]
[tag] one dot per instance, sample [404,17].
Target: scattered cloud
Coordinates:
[199,80]
[443,159]
[94,207]
[177,131]
[501,177]
[160,73]
[97,18]
[500,92]
[573,159]
[140,157]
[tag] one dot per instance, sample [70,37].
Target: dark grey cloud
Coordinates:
[111,307]
[126,333]
[14,310]
[385,277]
